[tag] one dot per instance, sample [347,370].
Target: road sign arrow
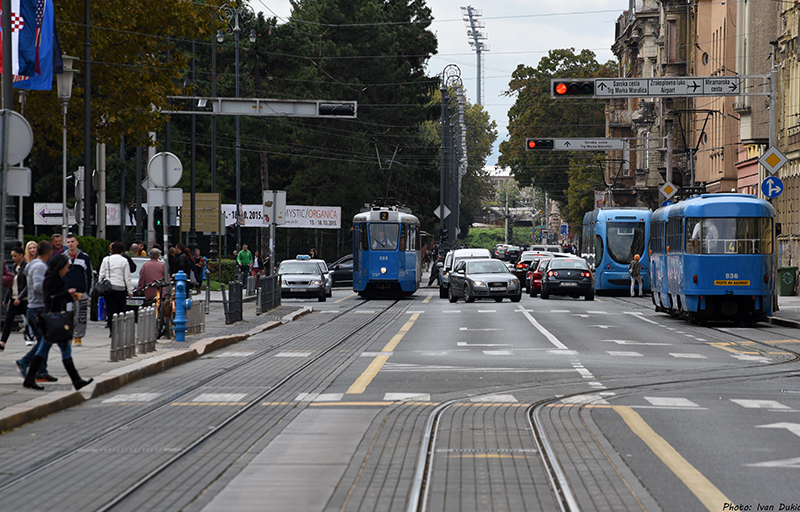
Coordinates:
[602,86]
[567,144]
[794,428]
[734,87]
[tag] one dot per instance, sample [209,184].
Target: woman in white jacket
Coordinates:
[116,269]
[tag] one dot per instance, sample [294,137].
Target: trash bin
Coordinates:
[786,280]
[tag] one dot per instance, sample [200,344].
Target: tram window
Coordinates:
[383,237]
[743,235]
[598,249]
[625,239]
[403,236]
[362,235]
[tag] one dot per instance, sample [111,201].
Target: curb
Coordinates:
[783,322]
[17,415]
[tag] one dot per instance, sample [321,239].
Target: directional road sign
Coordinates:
[667,87]
[588,144]
[668,189]
[772,187]
[772,160]
[442,211]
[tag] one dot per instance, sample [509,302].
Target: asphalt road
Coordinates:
[639,411]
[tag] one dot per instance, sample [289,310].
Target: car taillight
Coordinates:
[552,273]
[766,278]
[586,274]
[520,265]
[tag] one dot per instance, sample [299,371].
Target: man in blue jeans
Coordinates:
[34,272]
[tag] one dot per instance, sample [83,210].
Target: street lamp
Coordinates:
[235,14]
[64,81]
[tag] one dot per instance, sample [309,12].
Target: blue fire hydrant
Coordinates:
[181,305]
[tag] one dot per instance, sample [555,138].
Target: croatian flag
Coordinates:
[17,24]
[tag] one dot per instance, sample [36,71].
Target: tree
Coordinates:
[536,114]
[585,177]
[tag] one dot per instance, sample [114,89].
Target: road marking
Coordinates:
[399,336]
[597,312]
[291,353]
[746,357]
[640,316]
[365,312]
[603,326]
[498,352]
[360,385]
[133,397]
[785,463]
[623,354]
[375,354]
[661,401]
[794,428]
[495,399]
[559,311]
[760,404]
[414,312]
[332,311]
[465,344]
[468,329]
[588,398]
[582,316]
[629,342]
[541,329]
[428,298]
[487,311]
[344,298]
[236,354]
[711,497]
[451,311]
[687,356]
[220,397]
[406,397]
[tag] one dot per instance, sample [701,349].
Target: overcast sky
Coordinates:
[518,32]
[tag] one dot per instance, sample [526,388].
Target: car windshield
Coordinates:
[486,267]
[568,263]
[298,267]
[625,239]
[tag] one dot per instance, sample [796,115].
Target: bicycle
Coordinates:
[164,302]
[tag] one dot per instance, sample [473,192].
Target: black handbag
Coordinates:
[57,326]
[103,285]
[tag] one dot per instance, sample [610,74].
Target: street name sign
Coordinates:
[667,87]
[588,144]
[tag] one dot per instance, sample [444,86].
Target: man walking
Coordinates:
[34,272]
[79,277]
[245,259]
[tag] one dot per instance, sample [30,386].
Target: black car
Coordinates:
[483,279]
[512,253]
[341,271]
[568,276]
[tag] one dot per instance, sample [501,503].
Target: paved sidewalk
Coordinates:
[19,405]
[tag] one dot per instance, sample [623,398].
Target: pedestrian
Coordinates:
[172,260]
[116,269]
[142,250]
[31,250]
[435,272]
[34,274]
[16,299]
[152,270]
[635,270]
[58,244]
[133,252]
[244,259]
[57,295]
[313,253]
[185,262]
[79,277]
[199,268]
[30,255]
[256,264]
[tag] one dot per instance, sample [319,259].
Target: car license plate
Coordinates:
[569,284]
[298,290]
[135,302]
[497,289]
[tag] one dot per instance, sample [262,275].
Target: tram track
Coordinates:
[35,471]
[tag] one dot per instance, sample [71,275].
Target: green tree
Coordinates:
[585,177]
[536,114]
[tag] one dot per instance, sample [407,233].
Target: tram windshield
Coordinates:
[624,240]
[383,237]
[742,235]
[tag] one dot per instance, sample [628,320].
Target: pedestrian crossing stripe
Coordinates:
[220,397]
[760,404]
[132,397]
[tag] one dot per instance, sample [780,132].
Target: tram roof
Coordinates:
[384,214]
[719,205]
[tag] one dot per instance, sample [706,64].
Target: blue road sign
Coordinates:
[772,187]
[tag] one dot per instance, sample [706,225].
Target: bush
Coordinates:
[223,271]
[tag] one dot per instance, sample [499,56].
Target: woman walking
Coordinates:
[56,296]
[16,300]
[31,252]
[115,268]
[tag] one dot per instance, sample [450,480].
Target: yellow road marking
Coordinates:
[487,456]
[729,347]
[428,298]
[783,341]
[711,497]
[344,298]
[360,385]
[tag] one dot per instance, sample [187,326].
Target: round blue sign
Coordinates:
[772,187]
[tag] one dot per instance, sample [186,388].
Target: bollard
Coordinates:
[130,334]
[115,337]
[181,305]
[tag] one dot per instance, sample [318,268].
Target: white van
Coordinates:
[450,261]
[547,248]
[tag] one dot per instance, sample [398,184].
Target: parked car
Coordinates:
[302,278]
[323,267]
[568,276]
[450,261]
[342,271]
[483,279]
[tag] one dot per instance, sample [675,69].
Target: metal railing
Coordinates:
[146,331]
[128,334]
[269,294]
[196,317]
[233,304]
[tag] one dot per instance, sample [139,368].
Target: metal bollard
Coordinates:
[115,337]
[130,334]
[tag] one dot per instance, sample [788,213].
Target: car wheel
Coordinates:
[442,292]
[322,298]
[467,295]
[589,296]
[450,296]
[517,298]
[545,293]
[532,292]
[498,299]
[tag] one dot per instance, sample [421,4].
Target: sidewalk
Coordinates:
[19,405]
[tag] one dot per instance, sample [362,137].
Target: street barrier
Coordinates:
[123,337]
[196,317]
[269,294]
[232,304]
[146,331]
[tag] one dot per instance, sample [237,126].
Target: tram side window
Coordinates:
[362,235]
[743,235]
[403,237]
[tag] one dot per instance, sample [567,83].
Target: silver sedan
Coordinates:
[483,279]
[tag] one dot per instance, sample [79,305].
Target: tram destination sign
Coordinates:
[667,87]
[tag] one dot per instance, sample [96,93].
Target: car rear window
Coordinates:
[568,263]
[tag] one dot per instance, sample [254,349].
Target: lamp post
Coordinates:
[235,14]
[64,81]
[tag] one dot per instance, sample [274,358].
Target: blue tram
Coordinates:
[386,252]
[610,239]
[712,258]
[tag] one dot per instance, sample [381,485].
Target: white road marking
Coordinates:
[414,312]
[407,397]
[563,352]
[794,428]
[494,399]
[487,311]
[602,326]
[407,367]
[760,404]
[559,311]
[785,463]
[597,312]
[220,397]
[498,352]
[365,311]
[582,316]
[376,354]
[747,357]
[541,329]
[598,385]
[133,397]
[468,329]
[465,344]
[661,401]
[590,398]
[629,342]
[623,354]
[641,316]
[335,312]
[329,397]
[451,311]
[687,356]
[236,354]
[293,354]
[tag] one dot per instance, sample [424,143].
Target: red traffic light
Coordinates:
[561,89]
[573,88]
[538,144]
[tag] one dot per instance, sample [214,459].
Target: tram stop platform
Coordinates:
[19,405]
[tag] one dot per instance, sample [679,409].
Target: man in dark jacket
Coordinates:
[16,299]
[79,277]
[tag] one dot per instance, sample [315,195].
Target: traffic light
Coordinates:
[158,216]
[570,87]
[538,144]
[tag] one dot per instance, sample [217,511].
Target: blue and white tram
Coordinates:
[712,258]
[386,252]
[611,237]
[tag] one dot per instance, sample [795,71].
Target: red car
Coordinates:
[534,277]
[528,259]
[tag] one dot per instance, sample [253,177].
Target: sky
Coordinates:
[517,32]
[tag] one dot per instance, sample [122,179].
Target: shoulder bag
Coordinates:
[57,326]
[103,286]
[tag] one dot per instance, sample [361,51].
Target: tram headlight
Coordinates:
[383,270]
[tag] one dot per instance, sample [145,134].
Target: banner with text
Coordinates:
[319,217]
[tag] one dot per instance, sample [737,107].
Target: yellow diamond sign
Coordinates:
[772,160]
[668,189]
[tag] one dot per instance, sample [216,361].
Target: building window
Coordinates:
[672,41]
